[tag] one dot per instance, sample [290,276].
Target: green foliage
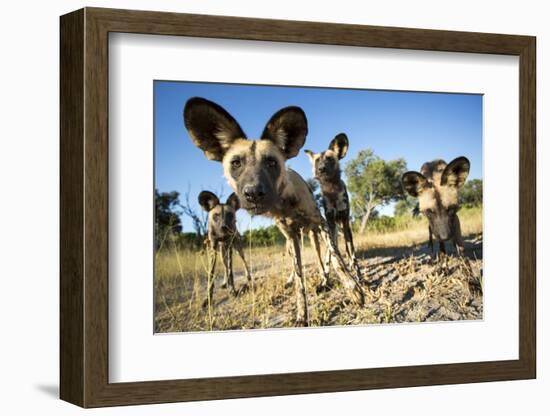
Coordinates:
[373,182]
[263,236]
[471,194]
[408,206]
[189,241]
[385,224]
[167,220]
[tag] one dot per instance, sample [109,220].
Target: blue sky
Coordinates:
[417,126]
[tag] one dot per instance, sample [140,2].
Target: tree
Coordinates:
[167,220]
[373,182]
[198,217]
[408,206]
[471,194]
[263,236]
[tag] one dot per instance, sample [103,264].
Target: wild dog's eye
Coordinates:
[229,216]
[216,217]
[429,211]
[236,163]
[271,162]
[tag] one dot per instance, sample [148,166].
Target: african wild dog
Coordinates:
[335,200]
[223,236]
[436,186]
[256,171]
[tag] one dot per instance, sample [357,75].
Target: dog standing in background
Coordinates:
[223,236]
[335,199]
[436,186]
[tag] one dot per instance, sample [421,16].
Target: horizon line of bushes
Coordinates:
[268,236]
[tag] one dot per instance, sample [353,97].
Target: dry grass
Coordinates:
[403,282]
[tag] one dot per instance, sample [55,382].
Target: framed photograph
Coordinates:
[255,207]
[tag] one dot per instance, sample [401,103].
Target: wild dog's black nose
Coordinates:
[254,193]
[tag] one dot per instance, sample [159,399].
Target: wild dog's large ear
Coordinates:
[456,172]
[414,183]
[208,200]
[339,145]
[211,128]
[287,129]
[309,154]
[233,201]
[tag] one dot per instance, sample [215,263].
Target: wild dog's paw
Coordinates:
[301,322]
[290,281]
[324,286]
[358,295]
[243,289]
[357,271]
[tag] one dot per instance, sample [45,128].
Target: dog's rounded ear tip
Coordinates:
[295,108]
[296,112]
[342,136]
[462,159]
[194,102]
[189,103]
[188,107]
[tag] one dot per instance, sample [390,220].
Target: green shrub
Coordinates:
[384,224]
[263,236]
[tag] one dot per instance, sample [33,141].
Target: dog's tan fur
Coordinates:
[436,186]
[256,171]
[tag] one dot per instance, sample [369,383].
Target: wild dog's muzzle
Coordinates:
[441,227]
[254,193]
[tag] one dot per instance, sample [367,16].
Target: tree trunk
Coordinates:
[365,219]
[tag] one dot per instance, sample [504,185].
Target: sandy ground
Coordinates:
[402,284]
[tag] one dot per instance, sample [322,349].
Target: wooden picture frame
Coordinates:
[84,207]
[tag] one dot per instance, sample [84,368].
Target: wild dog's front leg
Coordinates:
[239,247]
[431,241]
[314,236]
[442,249]
[302,314]
[333,232]
[211,252]
[290,281]
[349,281]
[457,236]
[350,248]
[227,256]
